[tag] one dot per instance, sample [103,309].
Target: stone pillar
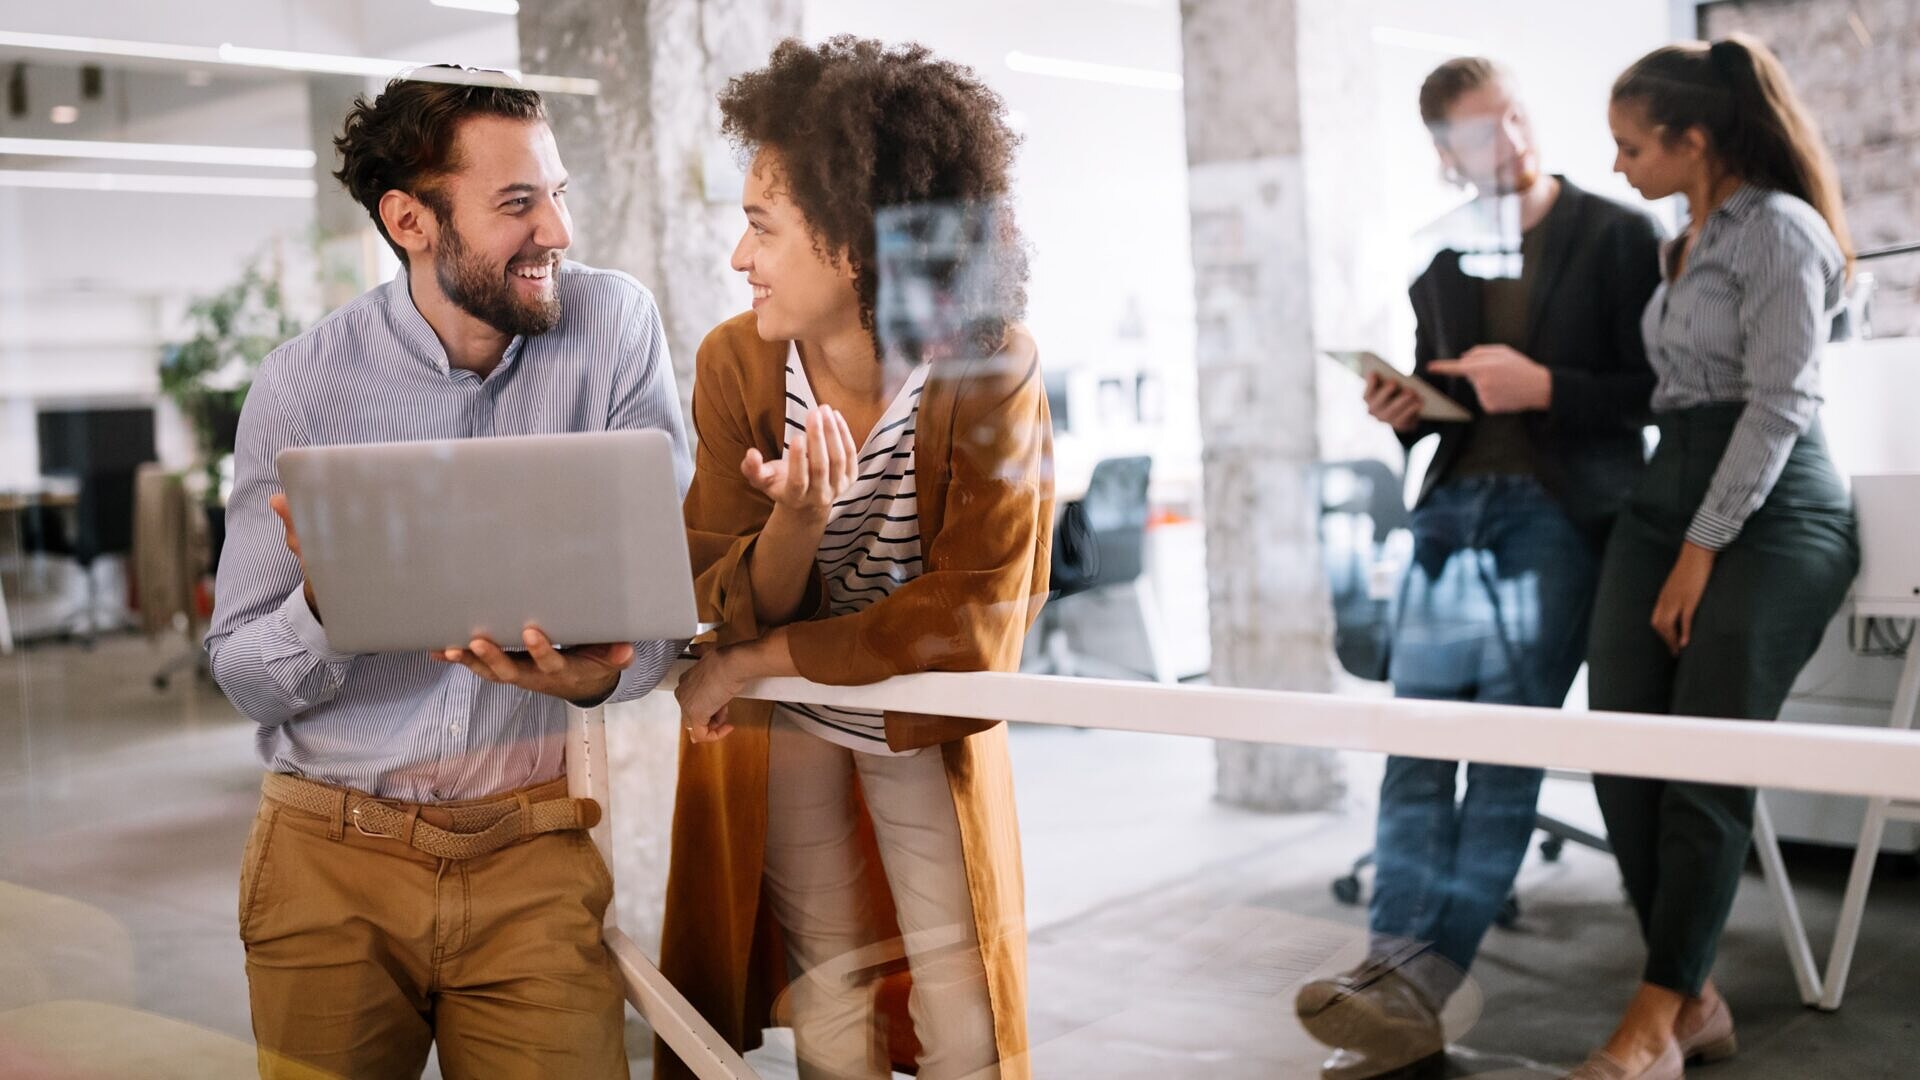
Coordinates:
[658,189]
[656,192]
[1271,621]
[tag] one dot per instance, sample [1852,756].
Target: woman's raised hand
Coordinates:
[820,464]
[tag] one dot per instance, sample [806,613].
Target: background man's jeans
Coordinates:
[1494,609]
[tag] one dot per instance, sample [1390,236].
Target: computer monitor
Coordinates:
[94,442]
[102,448]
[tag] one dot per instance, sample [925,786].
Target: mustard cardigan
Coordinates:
[984,479]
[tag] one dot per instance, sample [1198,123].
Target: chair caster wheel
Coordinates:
[1347,890]
[1509,914]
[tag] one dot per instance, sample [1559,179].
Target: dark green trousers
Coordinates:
[1682,845]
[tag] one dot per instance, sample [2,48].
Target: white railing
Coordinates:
[1806,757]
[1875,763]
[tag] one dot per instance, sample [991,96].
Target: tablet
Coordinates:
[427,545]
[1434,405]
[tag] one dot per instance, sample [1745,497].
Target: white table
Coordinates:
[1825,992]
[1879,811]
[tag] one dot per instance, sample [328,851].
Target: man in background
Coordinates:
[1539,339]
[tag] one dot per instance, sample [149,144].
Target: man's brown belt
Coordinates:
[476,828]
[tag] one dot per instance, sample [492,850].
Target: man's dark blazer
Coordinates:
[1599,267]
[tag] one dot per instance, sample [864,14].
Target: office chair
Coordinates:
[1364,497]
[10,551]
[101,449]
[1099,542]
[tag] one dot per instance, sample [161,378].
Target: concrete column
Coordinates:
[657,187]
[656,192]
[1254,307]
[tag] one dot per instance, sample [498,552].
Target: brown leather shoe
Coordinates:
[1604,1066]
[1712,1040]
[1372,1010]
[1357,1065]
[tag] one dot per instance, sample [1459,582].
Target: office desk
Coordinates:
[1853,905]
[16,500]
[1888,587]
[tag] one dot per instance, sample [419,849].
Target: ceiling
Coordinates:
[48,94]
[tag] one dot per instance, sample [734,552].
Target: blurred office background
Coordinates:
[1214,191]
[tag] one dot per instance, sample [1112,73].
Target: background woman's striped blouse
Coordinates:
[1745,322]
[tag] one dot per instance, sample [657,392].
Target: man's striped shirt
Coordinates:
[403,725]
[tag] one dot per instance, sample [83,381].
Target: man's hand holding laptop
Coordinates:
[582,674]
[279,504]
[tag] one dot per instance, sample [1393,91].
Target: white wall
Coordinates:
[1102,175]
[1101,184]
[1565,55]
[93,283]
[1101,179]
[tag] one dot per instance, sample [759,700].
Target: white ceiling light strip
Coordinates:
[491,7]
[231,55]
[175,153]
[145,50]
[334,64]
[158,184]
[1425,42]
[1145,78]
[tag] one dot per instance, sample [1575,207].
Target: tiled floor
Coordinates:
[1168,930]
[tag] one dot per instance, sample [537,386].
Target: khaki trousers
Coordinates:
[815,886]
[362,952]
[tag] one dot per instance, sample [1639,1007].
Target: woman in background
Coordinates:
[1739,499]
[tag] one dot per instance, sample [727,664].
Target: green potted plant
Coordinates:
[208,375]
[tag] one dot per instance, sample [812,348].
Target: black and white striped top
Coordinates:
[1745,322]
[872,542]
[403,725]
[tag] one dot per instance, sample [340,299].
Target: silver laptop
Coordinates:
[426,545]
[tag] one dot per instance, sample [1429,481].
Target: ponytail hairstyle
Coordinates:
[1738,94]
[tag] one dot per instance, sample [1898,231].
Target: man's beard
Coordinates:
[1517,176]
[485,292]
[1525,174]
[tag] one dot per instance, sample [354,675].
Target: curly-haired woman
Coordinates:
[872,497]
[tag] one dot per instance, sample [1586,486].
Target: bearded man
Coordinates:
[416,874]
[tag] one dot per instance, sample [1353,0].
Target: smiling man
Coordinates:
[416,873]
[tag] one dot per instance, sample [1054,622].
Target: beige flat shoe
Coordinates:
[1713,1040]
[1604,1066]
